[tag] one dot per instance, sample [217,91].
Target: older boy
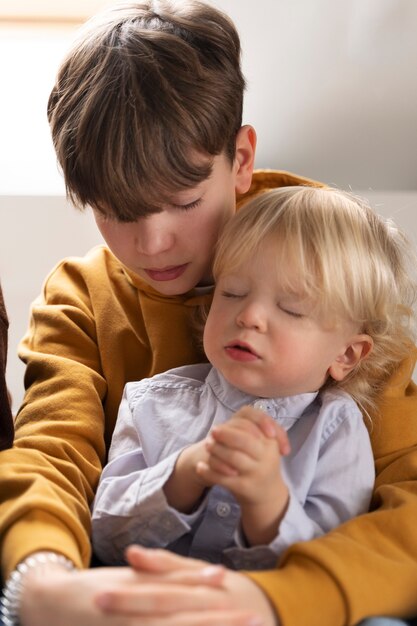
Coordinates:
[146,121]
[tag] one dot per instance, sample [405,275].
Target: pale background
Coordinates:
[332,93]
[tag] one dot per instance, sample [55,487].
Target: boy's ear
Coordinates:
[244,158]
[358,348]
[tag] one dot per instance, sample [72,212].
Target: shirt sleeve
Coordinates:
[130,505]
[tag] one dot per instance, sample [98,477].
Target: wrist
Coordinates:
[184,489]
[261,520]
[34,564]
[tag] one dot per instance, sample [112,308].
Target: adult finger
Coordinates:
[161,598]
[206,618]
[170,605]
[173,568]
[158,560]
[195,618]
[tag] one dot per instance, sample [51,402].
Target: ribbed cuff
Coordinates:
[37,532]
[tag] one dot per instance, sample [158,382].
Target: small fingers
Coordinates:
[267,426]
[241,421]
[225,442]
[235,484]
[240,461]
[272,430]
[219,465]
[251,414]
[234,437]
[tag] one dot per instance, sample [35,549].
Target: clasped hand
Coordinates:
[243,455]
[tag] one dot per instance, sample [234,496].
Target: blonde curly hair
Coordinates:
[351,262]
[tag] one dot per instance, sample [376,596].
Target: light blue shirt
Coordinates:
[329,472]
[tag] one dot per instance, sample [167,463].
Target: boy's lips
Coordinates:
[166,273]
[241,351]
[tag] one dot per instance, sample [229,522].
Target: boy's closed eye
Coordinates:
[230,294]
[189,206]
[291,311]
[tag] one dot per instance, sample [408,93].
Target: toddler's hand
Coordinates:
[185,487]
[242,458]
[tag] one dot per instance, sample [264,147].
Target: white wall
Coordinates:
[332,87]
[35,233]
[332,92]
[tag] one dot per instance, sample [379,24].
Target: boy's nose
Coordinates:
[252,316]
[154,235]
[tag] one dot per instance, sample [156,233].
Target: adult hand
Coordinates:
[57,597]
[231,600]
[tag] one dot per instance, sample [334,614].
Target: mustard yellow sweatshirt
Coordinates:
[95,327]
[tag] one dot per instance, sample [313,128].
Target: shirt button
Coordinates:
[223,509]
[261,405]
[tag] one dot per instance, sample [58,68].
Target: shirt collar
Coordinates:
[285,410]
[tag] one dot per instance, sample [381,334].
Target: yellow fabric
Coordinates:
[94,327]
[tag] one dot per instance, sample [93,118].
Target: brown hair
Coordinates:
[354,264]
[149,94]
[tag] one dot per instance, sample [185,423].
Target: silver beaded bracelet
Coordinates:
[12,592]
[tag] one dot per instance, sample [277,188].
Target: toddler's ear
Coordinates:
[359,347]
[244,158]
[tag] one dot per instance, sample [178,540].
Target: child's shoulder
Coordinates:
[190,377]
[334,400]
[338,409]
[176,399]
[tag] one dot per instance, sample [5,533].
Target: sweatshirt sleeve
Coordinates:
[51,473]
[367,566]
[48,479]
